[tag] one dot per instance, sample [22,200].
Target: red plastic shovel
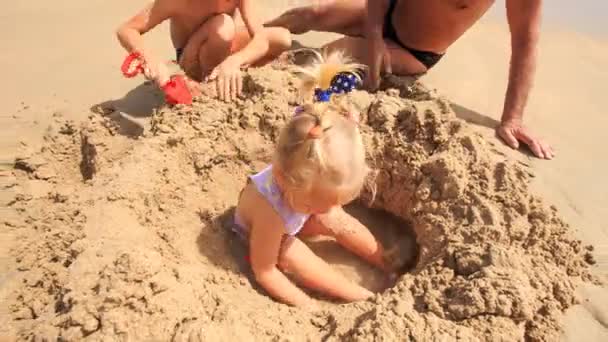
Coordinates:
[176,91]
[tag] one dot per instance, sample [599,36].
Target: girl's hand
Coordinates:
[228,79]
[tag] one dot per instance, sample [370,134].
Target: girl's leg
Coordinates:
[338,16]
[349,233]
[313,272]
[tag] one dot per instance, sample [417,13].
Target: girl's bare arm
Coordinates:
[265,246]
[265,239]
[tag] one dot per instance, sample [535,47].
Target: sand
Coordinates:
[61,238]
[125,238]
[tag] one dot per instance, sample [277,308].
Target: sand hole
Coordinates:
[395,234]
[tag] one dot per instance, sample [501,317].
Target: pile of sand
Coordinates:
[124,238]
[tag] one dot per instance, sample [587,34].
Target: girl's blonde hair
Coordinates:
[321,72]
[321,145]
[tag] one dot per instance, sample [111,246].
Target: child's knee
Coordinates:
[222,28]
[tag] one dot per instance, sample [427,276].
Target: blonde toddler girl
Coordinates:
[319,166]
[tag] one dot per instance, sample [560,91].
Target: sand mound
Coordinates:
[123,238]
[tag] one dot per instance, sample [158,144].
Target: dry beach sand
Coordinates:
[115,223]
[129,239]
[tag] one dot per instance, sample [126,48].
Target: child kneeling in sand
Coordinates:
[207,44]
[319,165]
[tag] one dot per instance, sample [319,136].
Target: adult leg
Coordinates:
[339,16]
[349,233]
[313,272]
[402,62]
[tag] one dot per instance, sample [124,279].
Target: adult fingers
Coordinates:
[372,82]
[373,79]
[536,149]
[375,82]
[374,67]
[552,151]
[508,137]
[534,144]
[522,135]
[547,151]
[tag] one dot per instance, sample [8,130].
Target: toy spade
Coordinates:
[176,91]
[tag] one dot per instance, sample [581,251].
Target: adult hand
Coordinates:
[512,132]
[378,59]
[228,79]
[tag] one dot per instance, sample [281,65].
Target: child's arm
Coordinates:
[265,246]
[130,35]
[351,234]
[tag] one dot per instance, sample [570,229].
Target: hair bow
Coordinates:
[342,83]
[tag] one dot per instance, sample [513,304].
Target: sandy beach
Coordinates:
[63,61]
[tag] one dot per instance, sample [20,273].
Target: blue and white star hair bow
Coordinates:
[342,83]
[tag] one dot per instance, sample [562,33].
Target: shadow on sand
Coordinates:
[130,111]
[474,117]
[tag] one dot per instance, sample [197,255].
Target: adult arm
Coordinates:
[378,54]
[524,17]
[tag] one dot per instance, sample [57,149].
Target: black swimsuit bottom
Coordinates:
[429,59]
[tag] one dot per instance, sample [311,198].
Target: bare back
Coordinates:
[433,25]
[191,14]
